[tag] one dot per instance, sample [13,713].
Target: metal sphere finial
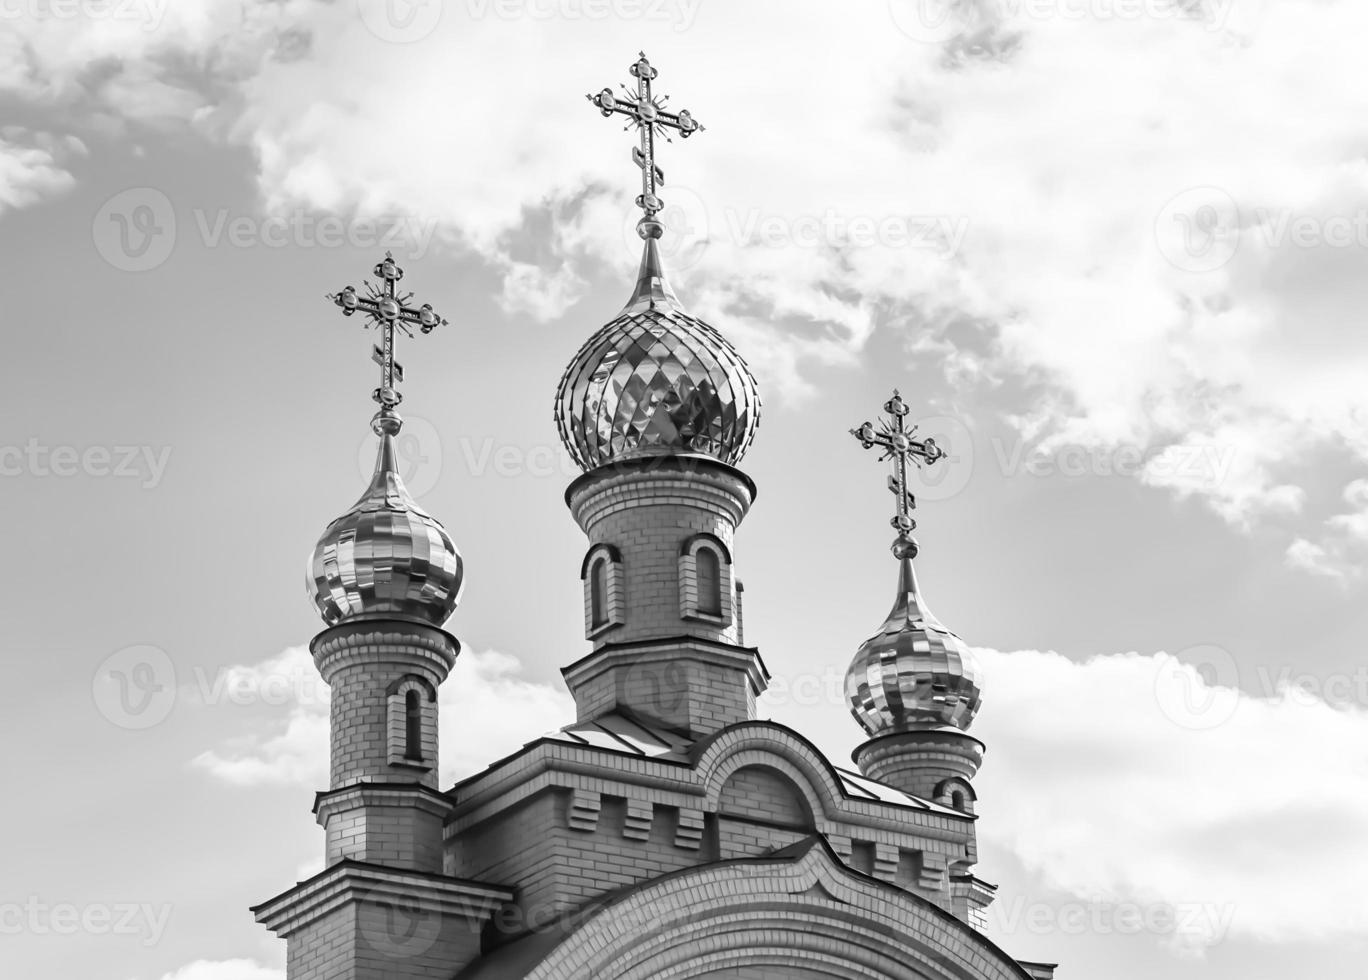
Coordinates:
[387,422]
[904,546]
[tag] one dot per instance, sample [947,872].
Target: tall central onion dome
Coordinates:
[656,381]
[913,674]
[386,557]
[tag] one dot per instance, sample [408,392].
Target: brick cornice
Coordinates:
[354,881]
[416,645]
[374,793]
[681,647]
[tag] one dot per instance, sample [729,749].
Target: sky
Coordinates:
[1111,252]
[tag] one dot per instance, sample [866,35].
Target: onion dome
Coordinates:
[386,557]
[913,673]
[656,381]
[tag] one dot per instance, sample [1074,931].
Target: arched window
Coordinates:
[709,582]
[957,800]
[601,573]
[413,727]
[598,593]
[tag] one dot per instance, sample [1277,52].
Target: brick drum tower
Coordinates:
[667,832]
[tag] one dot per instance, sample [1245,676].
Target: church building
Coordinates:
[666,832]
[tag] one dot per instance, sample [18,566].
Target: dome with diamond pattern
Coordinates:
[656,381]
[386,557]
[914,673]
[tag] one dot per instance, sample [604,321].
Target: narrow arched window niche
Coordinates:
[705,580]
[411,725]
[601,573]
[955,793]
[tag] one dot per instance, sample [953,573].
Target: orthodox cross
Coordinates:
[387,309]
[647,114]
[895,437]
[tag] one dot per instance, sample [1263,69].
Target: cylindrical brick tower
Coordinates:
[385,576]
[657,407]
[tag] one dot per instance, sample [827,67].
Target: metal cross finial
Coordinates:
[894,437]
[647,113]
[388,309]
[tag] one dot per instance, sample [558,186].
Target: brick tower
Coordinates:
[385,577]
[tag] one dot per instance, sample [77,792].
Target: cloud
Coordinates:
[486,711]
[1132,211]
[224,970]
[1153,780]
[33,166]
[1342,552]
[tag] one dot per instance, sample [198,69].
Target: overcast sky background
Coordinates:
[1111,251]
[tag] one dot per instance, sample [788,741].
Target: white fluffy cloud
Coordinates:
[486,711]
[224,970]
[1342,553]
[1140,779]
[1153,212]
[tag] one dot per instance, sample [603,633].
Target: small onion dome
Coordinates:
[914,673]
[656,381]
[386,557]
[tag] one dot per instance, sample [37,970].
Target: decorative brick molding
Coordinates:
[683,683]
[689,831]
[931,871]
[372,923]
[918,762]
[798,913]
[583,812]
[886,861]
[638,819]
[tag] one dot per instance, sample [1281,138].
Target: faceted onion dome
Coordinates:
[914,673]
[656,381]
[386,556]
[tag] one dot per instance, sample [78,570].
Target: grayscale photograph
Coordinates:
[478,476]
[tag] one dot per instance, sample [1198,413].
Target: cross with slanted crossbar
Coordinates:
[647,113]
[384,307]
[894,437]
